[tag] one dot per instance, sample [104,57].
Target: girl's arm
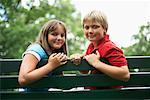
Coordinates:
[28,72]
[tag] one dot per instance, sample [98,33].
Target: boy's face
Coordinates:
[93,31]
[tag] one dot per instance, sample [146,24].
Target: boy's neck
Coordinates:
[96,43]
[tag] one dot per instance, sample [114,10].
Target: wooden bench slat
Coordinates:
[138,61]
[80,95]
[77,81]
[13,65]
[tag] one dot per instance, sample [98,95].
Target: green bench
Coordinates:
[70,86]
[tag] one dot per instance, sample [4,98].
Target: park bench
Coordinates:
[70,86]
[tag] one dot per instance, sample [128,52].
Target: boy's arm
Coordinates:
[120,73]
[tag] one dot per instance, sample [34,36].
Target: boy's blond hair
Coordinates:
[97,16]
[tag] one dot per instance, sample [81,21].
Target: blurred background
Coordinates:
[21,21]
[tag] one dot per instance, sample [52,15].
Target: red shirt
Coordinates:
[109,51]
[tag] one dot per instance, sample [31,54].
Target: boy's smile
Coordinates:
[93,31]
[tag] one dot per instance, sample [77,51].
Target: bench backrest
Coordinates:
[139,67]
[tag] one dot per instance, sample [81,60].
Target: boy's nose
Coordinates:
[90,30]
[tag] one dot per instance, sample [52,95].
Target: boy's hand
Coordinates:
[92,58]
[76,58]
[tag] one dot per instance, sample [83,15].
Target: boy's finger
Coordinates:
[97,53]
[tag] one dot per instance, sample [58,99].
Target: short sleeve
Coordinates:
[37,51]
[116,57]
[113,54]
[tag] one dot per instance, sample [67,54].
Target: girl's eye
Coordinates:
[62,35]
[54,33]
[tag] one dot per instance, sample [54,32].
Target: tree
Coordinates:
[142,44]
[20,24]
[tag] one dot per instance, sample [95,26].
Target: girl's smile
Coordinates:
[57,39]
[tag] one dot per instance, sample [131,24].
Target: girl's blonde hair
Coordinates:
[97,16]
[48,28]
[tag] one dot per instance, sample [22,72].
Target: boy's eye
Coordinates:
[95,26]
[86,27]
[92,26]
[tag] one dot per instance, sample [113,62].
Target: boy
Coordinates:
[95,28]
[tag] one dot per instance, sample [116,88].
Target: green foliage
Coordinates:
[19,26]
[142,45]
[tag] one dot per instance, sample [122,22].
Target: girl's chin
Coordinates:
[56,46]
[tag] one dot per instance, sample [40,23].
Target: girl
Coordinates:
[51,45]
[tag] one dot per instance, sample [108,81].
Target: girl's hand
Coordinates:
[93,58]
[57,59]
[76,58]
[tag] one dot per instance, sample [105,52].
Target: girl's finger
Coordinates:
[64,62]
[53,54]
[58,55]
[63,58]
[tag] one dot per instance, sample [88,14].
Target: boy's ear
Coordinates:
[104,32]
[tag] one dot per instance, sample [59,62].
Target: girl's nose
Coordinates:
[59,37]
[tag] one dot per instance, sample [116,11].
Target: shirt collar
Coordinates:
[101,42]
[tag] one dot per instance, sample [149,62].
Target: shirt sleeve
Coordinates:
[113,54]
[116,57]
[37,51]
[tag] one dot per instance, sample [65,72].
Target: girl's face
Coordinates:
[93,31]
[56,39]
